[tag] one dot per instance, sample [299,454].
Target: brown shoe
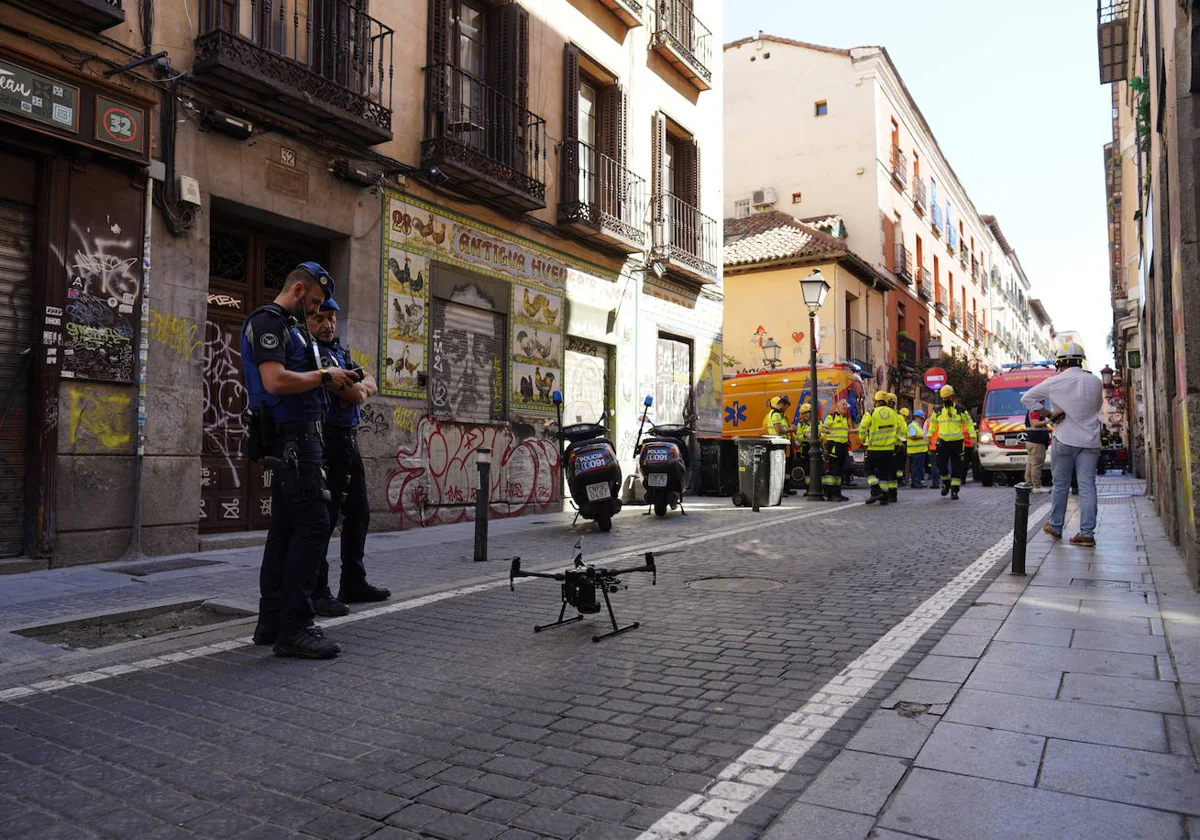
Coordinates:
[1053,534]
[1086,542]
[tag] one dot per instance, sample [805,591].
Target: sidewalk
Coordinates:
[1065,704]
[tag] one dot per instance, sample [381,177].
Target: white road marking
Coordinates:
[761,767]
[52,685]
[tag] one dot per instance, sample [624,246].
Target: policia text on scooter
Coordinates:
[285,382]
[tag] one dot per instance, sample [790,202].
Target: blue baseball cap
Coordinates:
[330,305]
[323,277]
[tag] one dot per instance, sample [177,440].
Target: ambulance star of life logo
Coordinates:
[735,414]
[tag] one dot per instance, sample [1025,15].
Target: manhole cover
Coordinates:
[1101,584]
[735,584]
[155,566]
[103,630]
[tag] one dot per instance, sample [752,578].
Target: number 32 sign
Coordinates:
[119,124]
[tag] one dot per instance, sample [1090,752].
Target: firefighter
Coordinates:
[918,448]
[835,436]
[949,427]
[880,430]
[804,431]
[901,456]
[776,423]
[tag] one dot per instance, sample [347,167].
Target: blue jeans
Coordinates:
[1066,460]
[917,470]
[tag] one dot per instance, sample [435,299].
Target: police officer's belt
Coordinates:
[297,430]
[342,431]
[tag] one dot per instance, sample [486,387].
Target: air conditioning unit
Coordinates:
[763,197]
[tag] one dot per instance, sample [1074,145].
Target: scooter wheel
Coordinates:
[739,500]
[660,507]
[604,523]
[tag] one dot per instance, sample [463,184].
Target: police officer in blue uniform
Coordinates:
[344,473]
[287,387]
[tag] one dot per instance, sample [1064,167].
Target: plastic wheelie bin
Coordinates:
[761,461]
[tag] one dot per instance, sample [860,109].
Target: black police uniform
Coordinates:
[348,489]
[299,529]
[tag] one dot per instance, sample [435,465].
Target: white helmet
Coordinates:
[1069,351]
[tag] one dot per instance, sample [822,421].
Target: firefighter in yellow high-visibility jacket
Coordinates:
[949,427]
[880,431]
[835,438]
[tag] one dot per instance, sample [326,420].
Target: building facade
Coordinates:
[1148,54]
[515,199]
[858,146]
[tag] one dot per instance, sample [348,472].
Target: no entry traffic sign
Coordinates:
[935,378]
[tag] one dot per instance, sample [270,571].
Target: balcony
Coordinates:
[940,306]
[602,199]
[685,42]
[322,62]
[94,15]
[935,220]
[902,266]
[924,283]
[969,325]
[962,257]
[974,269]
[484,141]
[1112,33]
[906,352]
[685,240]
[858,349]
[629,12]
[951,241]
[899,168]
[920,197]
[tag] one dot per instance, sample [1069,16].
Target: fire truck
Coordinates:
[1000,454]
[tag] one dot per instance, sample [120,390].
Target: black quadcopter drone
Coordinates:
[579,585]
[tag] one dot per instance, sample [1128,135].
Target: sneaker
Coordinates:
[1081,540]
[363,594]
[306,643]
[1049,529]
[329,608]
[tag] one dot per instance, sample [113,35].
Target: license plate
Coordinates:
[1016,459]
[598,492]
[657,480]
[658,456]
[590,462]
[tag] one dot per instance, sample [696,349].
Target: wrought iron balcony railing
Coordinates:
[935,219]
[858,349]
[974,268]
[602,199]
[920,196]
[684,238]
[1112,34]
[899,167]
[906,352]
[902,265]
[483,140]
[325,61]
[925,283]
[962,257]
[684,41]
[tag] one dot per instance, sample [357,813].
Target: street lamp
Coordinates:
[934,348]
[1106,376]
[770,350]
[814,288]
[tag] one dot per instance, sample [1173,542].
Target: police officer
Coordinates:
[835,436]
[345,473]
[286,386]
[880,430]
[948,428]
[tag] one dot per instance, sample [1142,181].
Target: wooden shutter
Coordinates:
[658,175]
[439,32]
[613,192]
[570,146]
[889,240]
[509,74]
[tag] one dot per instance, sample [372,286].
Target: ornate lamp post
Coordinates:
[814,288]
[770,350]
[934,349]
[1106,377]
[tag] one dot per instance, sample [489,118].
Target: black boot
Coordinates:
[266,632]
[363,593]
[945,488]
[306,643]
[954,493]
[328,607]
[875,495]
[893,494]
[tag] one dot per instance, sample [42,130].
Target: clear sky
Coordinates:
[1012,92]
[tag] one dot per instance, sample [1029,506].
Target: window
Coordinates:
[595,142]
[676,186]
[467,342]
[821,108]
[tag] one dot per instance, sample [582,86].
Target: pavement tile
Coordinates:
[976,627]
[921,691]
[857,782]
[373,804]
[946,805]
[1014,679]
[803,821]
[1060,719]
[1050,617]
[953,669]
[1128,693]
[462,827]
[1135,777]
[985,753]
[1034,634]
[341,826]
[887,732]
[1121,642]
[1045,658]
[1191,697]
[966,646]
[547,823]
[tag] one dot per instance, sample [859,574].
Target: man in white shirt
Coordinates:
[1075,397]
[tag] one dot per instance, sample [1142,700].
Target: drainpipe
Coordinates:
[134,550]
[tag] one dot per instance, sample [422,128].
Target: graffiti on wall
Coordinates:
[104,417]
[435,478]
[179,335]
[224,400]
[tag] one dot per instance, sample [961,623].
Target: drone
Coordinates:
[579,586]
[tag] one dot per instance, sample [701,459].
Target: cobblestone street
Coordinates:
[447,717]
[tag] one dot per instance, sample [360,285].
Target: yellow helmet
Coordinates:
[806,408]
[904,411]
[880,396]
[778,403]
[947,392]
[891,398]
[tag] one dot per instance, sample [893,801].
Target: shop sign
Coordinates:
[37,98]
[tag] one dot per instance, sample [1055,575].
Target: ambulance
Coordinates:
[746,395]
[1000,455]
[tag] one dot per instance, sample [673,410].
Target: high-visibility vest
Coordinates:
[916,439]
[880,429]
[950,423]
[776,423]
[835,428]
[803,431]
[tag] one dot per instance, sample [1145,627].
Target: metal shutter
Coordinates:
[16,298]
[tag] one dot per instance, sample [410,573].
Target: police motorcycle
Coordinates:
[663,463]
[590,465]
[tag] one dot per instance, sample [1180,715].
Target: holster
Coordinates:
[261,438]
[300,482]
